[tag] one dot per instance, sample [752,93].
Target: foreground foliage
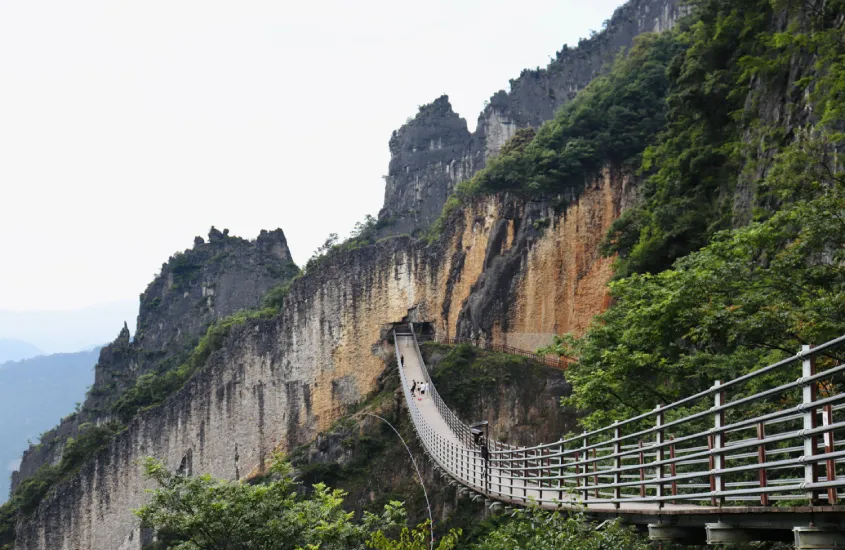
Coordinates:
[540,530]
[203,513]
[198,513]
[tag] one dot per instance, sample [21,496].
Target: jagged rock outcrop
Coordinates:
[434,151]
[196,287]
[427,158]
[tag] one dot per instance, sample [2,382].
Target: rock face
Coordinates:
[208,282]
[427,157]
[196,287]
[277,384]
[434,152]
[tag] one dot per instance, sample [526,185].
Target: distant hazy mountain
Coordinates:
[15,350]
[68,331]
[34,395]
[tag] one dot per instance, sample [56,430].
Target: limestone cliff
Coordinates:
[196,287]
[279,383]
[435,151]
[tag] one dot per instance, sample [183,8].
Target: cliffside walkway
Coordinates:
[754,458]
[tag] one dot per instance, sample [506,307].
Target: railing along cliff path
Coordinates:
[747,459]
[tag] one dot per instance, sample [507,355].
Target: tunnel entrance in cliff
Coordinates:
[424,329]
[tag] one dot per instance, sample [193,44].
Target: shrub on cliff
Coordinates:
[153,388]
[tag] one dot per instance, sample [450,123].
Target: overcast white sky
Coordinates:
[126,128]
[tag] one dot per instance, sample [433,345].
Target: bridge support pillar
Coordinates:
[818,538]
[665,532]
[724,533]
[497,508]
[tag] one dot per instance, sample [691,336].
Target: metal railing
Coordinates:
[555,362]
[734,444]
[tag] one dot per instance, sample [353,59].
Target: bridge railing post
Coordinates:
[617,464]
[660,455]
[761,460]
[808,368]
[642,468]
[829,447]
[585,454]
[560,471]
[673,469]
[717,461]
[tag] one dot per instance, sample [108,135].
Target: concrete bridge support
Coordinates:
[666,532]
[818,538]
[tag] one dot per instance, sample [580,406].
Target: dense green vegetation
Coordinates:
[611,121]
[694,165]
[465,372]
[200,512]
[749,298]
[697,299]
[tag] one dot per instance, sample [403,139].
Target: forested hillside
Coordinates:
[732,256]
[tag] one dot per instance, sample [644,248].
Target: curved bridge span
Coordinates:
[751,459]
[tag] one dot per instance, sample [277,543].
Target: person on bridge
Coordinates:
[413,387]
[485,456]
[402,360]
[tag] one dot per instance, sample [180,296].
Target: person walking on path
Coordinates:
[413,387]
[485,456]
[402,360]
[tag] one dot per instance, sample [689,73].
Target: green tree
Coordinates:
[203,513]
[416,539]
[541,530]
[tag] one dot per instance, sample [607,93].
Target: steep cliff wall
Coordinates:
[278,383]
[434,152]
[206,283]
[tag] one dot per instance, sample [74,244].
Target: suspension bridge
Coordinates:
[750,459]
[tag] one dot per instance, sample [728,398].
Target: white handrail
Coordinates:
[664,468]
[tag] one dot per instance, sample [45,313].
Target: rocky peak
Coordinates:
[196,287]
[422,170]
[421,178]
[210,281]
